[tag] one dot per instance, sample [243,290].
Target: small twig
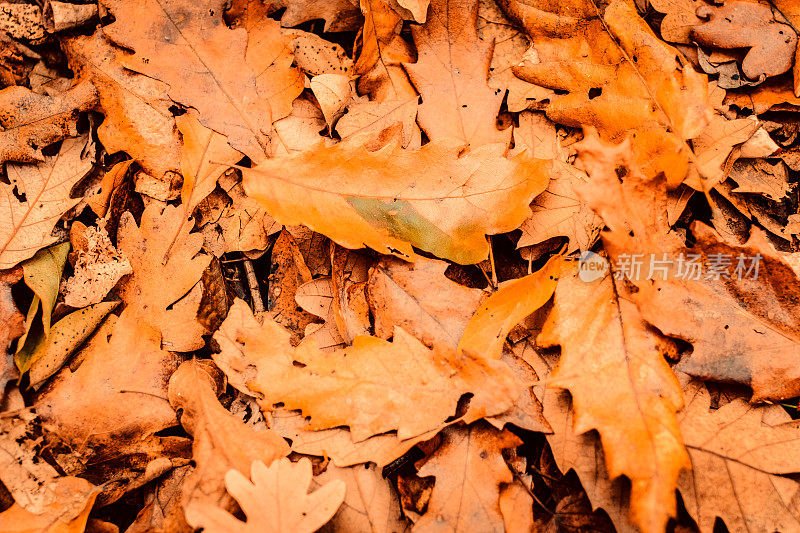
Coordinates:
[491,262]
[252,282]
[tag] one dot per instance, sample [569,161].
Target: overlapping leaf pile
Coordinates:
[302,264]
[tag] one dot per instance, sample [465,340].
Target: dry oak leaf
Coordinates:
[510,45]
[769,178]
[167,264]
[316,297]
[622,387]
[25,224]
[117,392]
[239,80]
[581,452]
[770,43]
[339,15]
[488,328]
[754,339]
[679,18]
[221,441]
[470,470]
[287,273]
[373,386]
[370,503]
[738,462]
[379,199]
[337,444]
[382,25]
[364,117]
[451,74]
[30,121]
[277,501]
[205,156]
[68,512]
[97,270]
[136,108]
[315,55]
[12,326]
[619,76]
[419,298]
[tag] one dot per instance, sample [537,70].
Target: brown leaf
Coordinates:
[615,63]
[451,75]
[221,441]
[370,503]
[162,248]
[372,387]
[13,326]
[409,295]
[736,321]
[66,512]
[469,471]
[738,459]
[30,121]
[136,108]
[276,500]
[36,197]
[239,93]
[287,273]
[339,15]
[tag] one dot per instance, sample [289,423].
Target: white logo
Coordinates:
[591,267]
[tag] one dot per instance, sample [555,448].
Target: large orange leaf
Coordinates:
[391,199]
[621,386]
[373,386]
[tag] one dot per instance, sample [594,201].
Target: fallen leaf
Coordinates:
[761,177]
[370,503]
[451,76]
[136,107]
[31,121]
[488,328]
[607,351]
[408,295]
[287,274]
[356,388]
[12,326]
[272,505]
[375,199]
[738,460]
[36,197]
[68,512]
[221,442]
[239,93]
[162,248]
[339,15]
[42,273]
[469,471]
[680,17]
[97,270]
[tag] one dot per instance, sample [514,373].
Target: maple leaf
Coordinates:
[136,108]
[36,197]
[373,386]
[272,504]
[451,75]
[469,471]
[30,121]
[162,248]
[357,197]
[607,351]
[739,453]
[238,93]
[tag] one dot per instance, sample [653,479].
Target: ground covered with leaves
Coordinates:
[392,265]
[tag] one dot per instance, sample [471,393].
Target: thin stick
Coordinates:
[252,282]
[491,261]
